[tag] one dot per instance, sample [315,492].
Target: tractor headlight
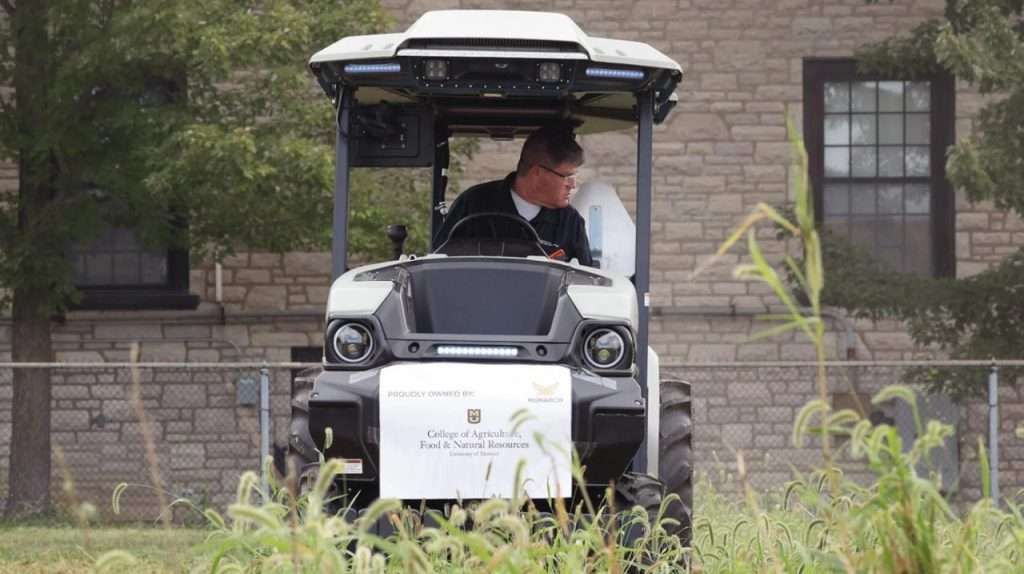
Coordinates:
[549,72]
[352,343]
[604,348]
[435,70]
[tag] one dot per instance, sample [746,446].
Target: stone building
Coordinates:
[876,146]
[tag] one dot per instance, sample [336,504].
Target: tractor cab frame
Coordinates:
[499,74]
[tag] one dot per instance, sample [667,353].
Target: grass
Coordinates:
[51,547]
[897,524]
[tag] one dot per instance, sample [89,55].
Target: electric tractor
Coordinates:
[479,369]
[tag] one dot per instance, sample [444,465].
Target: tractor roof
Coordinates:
[500,71]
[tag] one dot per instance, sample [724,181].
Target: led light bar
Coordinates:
[476,351]
[391,68]
[614,74]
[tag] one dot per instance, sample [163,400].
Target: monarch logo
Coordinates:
[545,393]
[473,416]
[546,390]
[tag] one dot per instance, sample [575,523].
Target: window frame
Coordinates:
[818,71]
[173,294]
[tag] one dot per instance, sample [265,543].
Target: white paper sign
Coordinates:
[446,430]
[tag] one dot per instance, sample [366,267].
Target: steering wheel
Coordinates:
[527,234]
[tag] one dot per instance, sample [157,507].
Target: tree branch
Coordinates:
[8,7]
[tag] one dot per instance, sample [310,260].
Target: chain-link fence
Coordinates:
[197,427]
[168,431]
[748,410]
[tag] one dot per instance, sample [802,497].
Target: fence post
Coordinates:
[993,430]
[264,429]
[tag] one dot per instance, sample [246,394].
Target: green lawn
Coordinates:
[68,550]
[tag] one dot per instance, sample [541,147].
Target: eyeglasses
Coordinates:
[566,177]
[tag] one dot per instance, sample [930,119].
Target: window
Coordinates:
[117,271]
[877,149]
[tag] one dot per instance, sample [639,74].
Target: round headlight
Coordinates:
[604,348]
[353,343]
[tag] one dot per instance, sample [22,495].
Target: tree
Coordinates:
[980,317]
[153,113]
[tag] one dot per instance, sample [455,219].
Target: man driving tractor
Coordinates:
[538,191]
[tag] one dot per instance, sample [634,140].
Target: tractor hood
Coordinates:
[483,295]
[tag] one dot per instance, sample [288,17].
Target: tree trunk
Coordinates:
[29,479]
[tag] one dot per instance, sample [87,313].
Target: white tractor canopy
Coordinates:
[501,73]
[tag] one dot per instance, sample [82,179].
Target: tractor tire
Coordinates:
[302,451]
[303,458]
[675,457]
[635,489]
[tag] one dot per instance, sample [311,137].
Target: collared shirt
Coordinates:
[561,229]
[525,208]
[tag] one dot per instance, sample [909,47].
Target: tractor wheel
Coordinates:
[675,459]
[303,458]
[634,489]
[302,450]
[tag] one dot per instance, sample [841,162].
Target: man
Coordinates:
[539,191]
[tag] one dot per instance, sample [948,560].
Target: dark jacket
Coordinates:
[561,229]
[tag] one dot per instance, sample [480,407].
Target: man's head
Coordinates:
[546,174]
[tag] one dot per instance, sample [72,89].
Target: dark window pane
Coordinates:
[918,198]
[837,129]
[77,265]
[862,198]
[864,94]
[837,162]
[890,199]
[837,97]
[123,240]
[98,268]
[890,231]
[862,233]
[838,226]
[890,96]
[918,129]
[837,199]
[890,128]
[890,161]
[918,161]
[154,269]
[862,129]
[126,269]
[863,161]
[919,95]
[118,258]
[919,244]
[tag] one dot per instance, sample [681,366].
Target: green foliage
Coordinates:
[826,522]
[978,317]
[201,111]
[288,533]
[899,523]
